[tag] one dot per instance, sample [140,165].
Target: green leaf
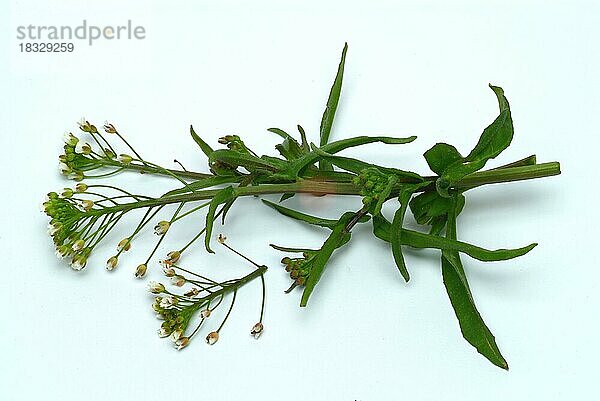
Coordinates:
[383,196]
[471,323]
[203,183]
[440,156]
[292,250]
[225,195]
[289,148]
[356,166]
[396,228]
[494,139]
[297,166]
[332,104]
[316,221]
[236,159]
[415,239]
[286,196]
[338,237]
[428,206]
[203,145]
[305,146]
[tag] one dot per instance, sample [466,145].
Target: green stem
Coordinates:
[239,283]
[344,188]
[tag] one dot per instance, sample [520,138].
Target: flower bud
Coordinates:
[168,271]
[140,271]
[173,256]
[257,330]
[81,187]
[124,158]
[176,335]
[78,262]
[83,148]
[109,128]
[163,332]
[75,175]
[212,338]
[192,292]
[66,193]
[178,280]
[109,153]
[155,288]
[124,245]
[78,245]
[205,313]
[111,263]
[162,227]
[70,139]
[87,205]
[63,168]
[182,343]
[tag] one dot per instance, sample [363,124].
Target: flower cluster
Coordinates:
[299,268]
[201,297]
[70,220]
[80,157]
[372,183]
[234,142]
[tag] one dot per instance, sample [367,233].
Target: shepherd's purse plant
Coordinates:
[81,217]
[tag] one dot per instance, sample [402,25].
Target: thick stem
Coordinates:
[507,174]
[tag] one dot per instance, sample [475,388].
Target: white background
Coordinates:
[242,67]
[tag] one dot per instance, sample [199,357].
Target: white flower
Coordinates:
[78,245]
[83,148]
[155,288]
[168,302]
[111,263]
[61,251]
[205,313]
[87,205]
[182,342]
[162,332]
[168,271]
[78,263]
[176,335]
[63,168]
[54,228]
[178,280]
[70,139]
[140,271]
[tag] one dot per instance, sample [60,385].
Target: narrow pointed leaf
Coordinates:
[223,196]
[415,239]
[331,107]
[396,228]
[471,323]
[205,147]
[316,221]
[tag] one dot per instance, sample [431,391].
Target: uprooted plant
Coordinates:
[82,217]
